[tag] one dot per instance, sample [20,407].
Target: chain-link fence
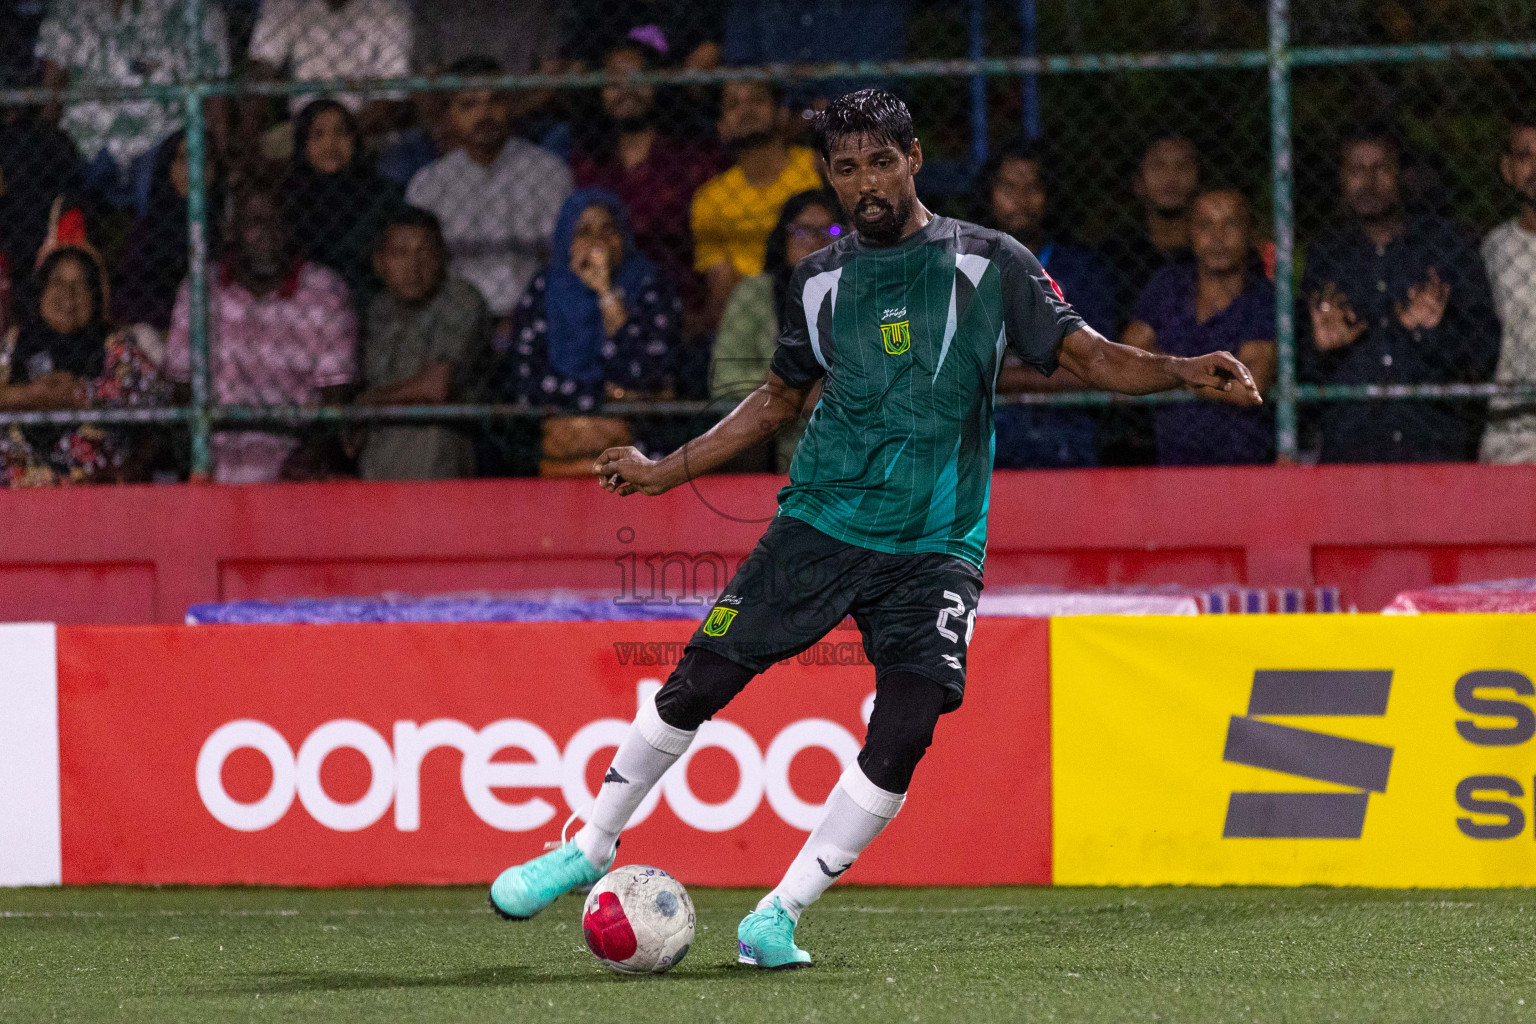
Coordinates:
[293,239]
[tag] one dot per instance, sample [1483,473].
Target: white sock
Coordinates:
[855,813]
[651,747]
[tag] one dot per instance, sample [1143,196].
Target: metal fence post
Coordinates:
[197,242]
[976,33]
[1282,180]
[1028,47]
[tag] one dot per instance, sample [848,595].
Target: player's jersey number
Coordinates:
[955,611]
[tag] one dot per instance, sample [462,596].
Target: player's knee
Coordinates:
[907,707]
[702,684]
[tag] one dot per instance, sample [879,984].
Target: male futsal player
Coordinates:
[904,322]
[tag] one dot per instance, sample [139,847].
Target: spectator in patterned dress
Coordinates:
[282,332]
[128,43]
[600,323]
[62,355]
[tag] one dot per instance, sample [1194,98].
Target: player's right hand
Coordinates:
[626,471]
[1222,376]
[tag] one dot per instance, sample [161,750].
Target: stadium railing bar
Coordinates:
[1279,59]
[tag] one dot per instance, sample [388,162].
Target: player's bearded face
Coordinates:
[878,220]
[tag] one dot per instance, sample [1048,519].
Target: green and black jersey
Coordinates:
[909,339]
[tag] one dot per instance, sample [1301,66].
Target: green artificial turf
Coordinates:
[967,955]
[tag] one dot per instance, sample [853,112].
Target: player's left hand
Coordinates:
[626,471]
[1221,376]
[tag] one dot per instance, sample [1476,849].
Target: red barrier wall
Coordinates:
[143,554]
[533,709]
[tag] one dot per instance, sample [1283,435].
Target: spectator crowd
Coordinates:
[565,252]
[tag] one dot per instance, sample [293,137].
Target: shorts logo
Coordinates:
[897,337]
[1359,766]
[719,621]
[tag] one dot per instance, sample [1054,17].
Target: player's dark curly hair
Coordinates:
[872,112]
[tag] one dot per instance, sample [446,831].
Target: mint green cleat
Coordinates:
[766,938]
[522,891]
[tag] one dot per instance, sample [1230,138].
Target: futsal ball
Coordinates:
[638,920]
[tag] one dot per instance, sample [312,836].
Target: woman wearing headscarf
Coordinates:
[61,355]
[156,254]
[335,202]
[749,328]
[600,323]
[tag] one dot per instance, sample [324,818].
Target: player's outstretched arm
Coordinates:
[1133,371]
[761,415]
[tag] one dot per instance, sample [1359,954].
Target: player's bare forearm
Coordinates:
[761,415]
[1133,371]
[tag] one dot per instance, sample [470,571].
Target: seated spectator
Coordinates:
[282,332]
[654,173]
[1217,305]
[62,355]
[37,165]
[496,195]
[327,39]
[1395,299]
[599,323]
[156,254]
[734,211]
[335,203]
[1017,190]
[425,331]
[108,43]
[749,330]
[1509,253]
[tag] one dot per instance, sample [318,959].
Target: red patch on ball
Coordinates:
[609,934]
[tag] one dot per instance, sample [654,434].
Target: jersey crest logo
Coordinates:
[897,337]
[719,621]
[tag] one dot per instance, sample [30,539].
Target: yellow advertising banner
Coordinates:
[1294,750]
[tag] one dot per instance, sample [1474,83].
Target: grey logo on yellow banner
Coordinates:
[1312,755]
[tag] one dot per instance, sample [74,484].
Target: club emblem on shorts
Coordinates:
[897,337]
[719,621]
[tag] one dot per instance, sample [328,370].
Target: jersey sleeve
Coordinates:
[794,360]
[1035,315]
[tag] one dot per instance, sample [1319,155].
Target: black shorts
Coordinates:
[915,612]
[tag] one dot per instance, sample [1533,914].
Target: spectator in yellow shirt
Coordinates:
[734,212]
